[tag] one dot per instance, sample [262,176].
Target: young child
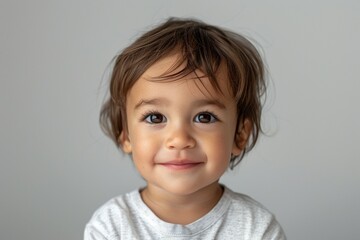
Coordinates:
[185,103]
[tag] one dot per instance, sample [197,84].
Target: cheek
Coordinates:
[218,147]
[144,145]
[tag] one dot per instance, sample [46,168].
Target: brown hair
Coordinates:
[203,47]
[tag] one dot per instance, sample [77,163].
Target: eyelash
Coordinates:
[213,115]
[150,113]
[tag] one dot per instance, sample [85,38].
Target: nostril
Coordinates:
[181,141]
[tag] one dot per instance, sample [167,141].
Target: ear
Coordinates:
[124,142]
[241,137]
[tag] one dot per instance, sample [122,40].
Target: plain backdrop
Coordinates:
[57,166]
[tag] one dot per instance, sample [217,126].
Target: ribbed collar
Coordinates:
[169,229]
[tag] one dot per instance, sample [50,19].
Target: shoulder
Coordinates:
[107,220]
[246,203]
[252,216]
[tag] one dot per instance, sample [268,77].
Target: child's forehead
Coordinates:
[171,63]
[152,84]
[186,92]
[173,68]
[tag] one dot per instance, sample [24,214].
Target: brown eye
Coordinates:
[205,118]
[155,118]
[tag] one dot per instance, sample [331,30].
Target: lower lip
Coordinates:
[180,166]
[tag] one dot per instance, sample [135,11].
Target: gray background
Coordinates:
[57,167]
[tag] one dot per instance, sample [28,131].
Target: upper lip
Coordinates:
[180,162]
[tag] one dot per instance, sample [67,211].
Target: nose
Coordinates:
[179,138]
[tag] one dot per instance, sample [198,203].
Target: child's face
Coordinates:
[180,133]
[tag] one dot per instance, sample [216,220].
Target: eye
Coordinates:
[155,118]
[205,117]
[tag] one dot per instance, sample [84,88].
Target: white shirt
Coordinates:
[235,216]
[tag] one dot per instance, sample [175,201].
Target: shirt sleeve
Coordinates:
[92,233]
[274,231]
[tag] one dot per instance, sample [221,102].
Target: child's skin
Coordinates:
[181,135]
[185,104]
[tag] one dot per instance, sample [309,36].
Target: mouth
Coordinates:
[180,165]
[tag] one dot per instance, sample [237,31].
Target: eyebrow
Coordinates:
[163,101]
[154,101]
[206,102]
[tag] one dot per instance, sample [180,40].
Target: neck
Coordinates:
[181,208]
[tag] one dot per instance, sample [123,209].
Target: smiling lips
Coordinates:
[180,165]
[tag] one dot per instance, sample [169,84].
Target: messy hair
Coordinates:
[201,47]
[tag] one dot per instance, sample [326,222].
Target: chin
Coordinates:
[184,189]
